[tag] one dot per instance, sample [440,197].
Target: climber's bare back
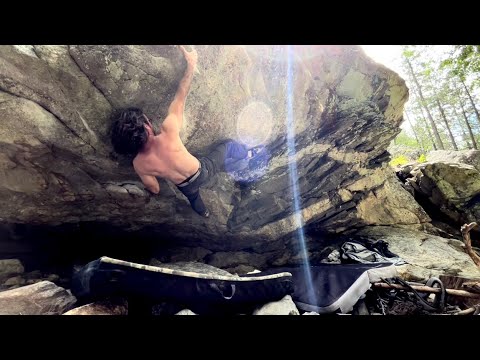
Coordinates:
[166,156]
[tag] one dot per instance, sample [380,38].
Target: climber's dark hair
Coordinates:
[128,131]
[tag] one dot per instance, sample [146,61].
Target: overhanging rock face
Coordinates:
[57,164]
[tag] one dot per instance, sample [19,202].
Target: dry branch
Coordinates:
[465,229]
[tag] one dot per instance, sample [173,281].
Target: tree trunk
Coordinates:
[465,138]
[472,137]
[471,101]
[430,136]
[420,143]
[452,139]
[423,103]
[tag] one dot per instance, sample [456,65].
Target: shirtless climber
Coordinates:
[164,154]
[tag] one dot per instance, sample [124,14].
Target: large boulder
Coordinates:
[285,306]
[57,164]
[10,267]
[426,255]
[450,188]
[105,307]
[43,298]
[469,157]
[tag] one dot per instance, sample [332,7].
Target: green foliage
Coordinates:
[422,158]
[399,160]
[464,60]
[404,139]
[445,77]
[408,53]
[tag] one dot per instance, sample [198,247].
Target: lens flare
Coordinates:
[292,167]
[254,124]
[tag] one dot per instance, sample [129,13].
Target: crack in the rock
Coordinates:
[86,75]
[35,52]
[50,112]
[67,97]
